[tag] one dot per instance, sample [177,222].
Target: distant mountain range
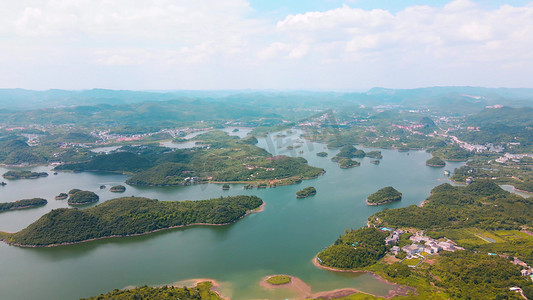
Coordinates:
[18,99]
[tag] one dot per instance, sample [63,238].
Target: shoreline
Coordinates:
[215,285]
[435,166]
[258,209]
[398,290]
[381,203]
[522,191]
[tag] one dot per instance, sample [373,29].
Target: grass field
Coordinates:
[279,279]
[411,261]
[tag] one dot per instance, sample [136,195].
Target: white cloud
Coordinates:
[185,42]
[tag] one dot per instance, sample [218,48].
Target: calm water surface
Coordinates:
[281,239]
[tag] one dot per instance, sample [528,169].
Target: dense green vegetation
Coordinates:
[374,154]
[118,188]
[122,162]
[202,291]
[467,275]
[129,216]
[23,175]
[22,204]
[482,204]
[513,172]
[229,159]
[451,152]
[279,279]
[306,192]
[15,151]
[61,196]
[384,195]
[73,191]
[225,186]
[525,186]
[82,197]
[348,151]
[435,162]
[356,249]
[346,163]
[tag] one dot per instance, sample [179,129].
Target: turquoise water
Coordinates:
[281,239]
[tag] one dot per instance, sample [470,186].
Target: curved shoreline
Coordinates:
[381,203]
[258,209]
[398,290]
[435,166]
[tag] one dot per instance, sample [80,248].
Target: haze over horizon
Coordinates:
[257,45]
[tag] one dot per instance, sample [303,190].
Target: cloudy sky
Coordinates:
[258,44]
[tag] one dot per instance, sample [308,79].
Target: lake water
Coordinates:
[281,239]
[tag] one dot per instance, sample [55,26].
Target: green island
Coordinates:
[374,154]
[306,192]
[82,198]
[225,159]
[435,162]
[225,186]
[118,189]
[279,279]
[322,154]
[23,175]
[483,231]
[202,291]
[384,195]
[22,204]
[61,196]
[129,216]
[346,163]
[348,151]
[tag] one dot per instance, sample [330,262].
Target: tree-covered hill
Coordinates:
[130,216]
[483,204]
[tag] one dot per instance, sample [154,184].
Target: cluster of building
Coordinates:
[476,147]
[420,243]
[512,157]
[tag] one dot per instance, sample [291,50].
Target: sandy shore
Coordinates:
[303,290]
[398,290]
[195,281]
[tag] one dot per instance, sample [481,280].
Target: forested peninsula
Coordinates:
[224,159]
[488,227]
[129,216]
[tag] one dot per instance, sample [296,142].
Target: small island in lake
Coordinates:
[435,162]
[83,197]
[23,175]
[384,195]
[129,216]
[347,163]
[374,154]
[22,204]
[61,196]
[225,186]
[322,154]
[308,191]
[118,189]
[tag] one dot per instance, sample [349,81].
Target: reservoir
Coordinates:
[282,239]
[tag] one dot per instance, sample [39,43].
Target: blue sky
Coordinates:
[241,44]
[299,6]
